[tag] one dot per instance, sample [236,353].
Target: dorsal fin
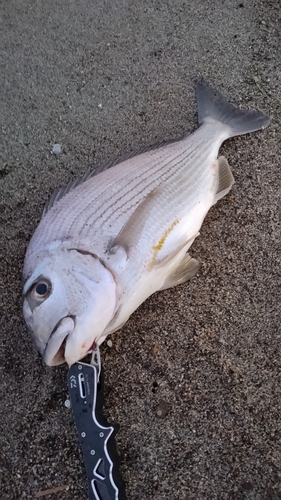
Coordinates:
[62,191]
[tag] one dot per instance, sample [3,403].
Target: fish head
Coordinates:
[69,299]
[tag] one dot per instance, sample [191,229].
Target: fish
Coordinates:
[110,239]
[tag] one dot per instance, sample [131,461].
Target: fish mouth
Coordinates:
[54,353]
[59,358]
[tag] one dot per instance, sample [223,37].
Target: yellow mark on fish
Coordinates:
[160,244]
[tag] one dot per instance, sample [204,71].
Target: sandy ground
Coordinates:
[102,78]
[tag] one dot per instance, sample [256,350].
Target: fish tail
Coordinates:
[212,106]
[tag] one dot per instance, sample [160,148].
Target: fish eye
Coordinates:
[40,290]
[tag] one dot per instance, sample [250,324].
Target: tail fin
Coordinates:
[212,106]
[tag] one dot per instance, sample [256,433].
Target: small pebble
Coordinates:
[56,149]
[247,486]
[162,409]
[109,343]
[100,105]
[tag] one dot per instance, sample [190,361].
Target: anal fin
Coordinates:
[225,178]
[184,272]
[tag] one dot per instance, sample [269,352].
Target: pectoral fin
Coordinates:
[132,229]
[186,270]
[225,178]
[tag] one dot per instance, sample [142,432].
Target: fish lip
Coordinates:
[54,353]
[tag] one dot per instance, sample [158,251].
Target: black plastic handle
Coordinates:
[94,433]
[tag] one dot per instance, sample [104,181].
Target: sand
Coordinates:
[101,78]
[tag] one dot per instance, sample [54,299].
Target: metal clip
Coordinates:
[95,360]
[94,432]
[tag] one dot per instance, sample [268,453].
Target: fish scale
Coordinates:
[130,198]
[108,241]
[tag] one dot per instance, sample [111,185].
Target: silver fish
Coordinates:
[109,240]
